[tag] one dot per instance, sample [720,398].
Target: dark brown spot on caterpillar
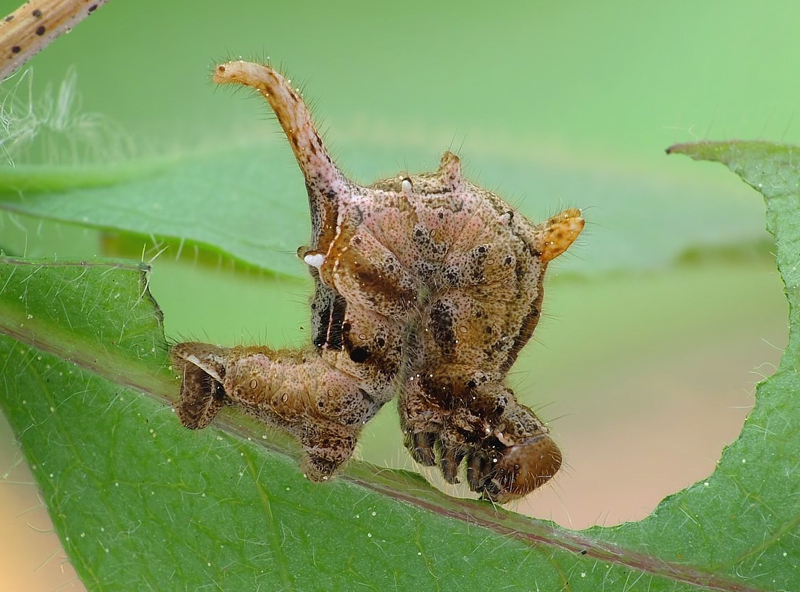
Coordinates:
[40,30]
[334,339]
[37,13]
[441,326]
[16,49]
[359,354]
[218,392]
[92,8]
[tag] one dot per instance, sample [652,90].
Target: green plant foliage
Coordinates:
[139,502]
[249,204]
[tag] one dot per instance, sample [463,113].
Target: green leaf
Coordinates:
[185,201]
[137,498]
[250,203]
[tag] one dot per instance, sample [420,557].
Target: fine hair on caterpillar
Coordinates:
[426,288]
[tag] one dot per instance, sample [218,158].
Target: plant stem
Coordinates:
[34,25]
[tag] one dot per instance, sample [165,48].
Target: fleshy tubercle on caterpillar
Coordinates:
[426,287]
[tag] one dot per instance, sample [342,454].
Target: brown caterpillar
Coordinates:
[425,285]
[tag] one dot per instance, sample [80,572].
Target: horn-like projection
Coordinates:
[324,182]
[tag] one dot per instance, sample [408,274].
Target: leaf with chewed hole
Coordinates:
[137,498]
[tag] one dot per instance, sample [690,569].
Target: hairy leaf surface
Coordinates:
[140,502]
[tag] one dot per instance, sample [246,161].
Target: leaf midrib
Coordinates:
[392,484]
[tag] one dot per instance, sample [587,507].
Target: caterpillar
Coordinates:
[426,289]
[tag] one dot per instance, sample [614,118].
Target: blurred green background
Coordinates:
[657,324]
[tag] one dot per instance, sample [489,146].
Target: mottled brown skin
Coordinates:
[425,285]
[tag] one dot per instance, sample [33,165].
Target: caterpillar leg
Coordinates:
[296,391]
[506,448]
